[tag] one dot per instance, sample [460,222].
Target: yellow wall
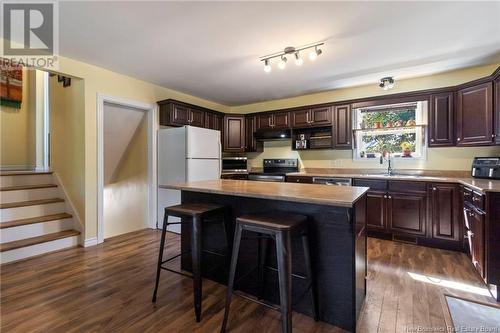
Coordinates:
[67,138]
[126,198]
[426,82]
[17,135]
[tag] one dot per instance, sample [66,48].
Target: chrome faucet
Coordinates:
[387,157]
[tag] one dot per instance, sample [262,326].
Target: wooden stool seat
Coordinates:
[193,209]
[281,221]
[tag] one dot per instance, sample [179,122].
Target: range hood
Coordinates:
[273,134]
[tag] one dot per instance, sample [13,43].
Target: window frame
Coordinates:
[421,111]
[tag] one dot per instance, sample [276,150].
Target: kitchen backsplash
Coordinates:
[450,158]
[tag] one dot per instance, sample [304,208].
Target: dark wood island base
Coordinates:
[338,242]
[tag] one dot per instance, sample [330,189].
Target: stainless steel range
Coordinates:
[275,170]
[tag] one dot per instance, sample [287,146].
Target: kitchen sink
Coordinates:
[396,175]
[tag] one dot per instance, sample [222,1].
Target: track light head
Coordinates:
[387,83]
[267,65]
[282,63]
[298,60]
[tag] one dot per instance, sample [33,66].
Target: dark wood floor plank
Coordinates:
[107,288]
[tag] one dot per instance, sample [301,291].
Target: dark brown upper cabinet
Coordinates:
[441,120]
[252,145]
[474,115]
[342,127]
[444,211]
[234,133]
[321,116]
[175,113]
[496,116]
[271,120]
[213,121]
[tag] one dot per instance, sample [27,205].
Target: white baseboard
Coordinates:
[90,242]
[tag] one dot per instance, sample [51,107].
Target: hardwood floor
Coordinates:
[108,288]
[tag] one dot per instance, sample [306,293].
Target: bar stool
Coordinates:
[279,227]
[197,214]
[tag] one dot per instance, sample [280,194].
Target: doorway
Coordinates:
[126,158]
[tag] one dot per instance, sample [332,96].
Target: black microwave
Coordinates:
[234,164]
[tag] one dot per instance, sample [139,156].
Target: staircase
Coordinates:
[34,216]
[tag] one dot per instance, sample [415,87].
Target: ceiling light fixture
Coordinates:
[282,63]
[386,83]
[314,54]
[267,66]
[298,60]
[290,50]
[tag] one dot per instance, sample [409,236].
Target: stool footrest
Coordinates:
[258,301]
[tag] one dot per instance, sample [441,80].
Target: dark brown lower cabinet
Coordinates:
[476,236]
[406,213]
[376,206]
[444,211]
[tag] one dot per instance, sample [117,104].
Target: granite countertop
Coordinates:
[340,196]
[481,185]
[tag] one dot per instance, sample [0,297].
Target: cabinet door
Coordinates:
[376,208]
[445,218]
[475,115]
[406,213]
[179,115]
[213,121]
[234,133]
[197,118]
[441,120]
[477,239]
[265,121]
[300,118]
[250,128]
[496,85]
[281,120]
[321,116]
[342,127]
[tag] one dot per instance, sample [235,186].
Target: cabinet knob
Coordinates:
[434,189]
[389,197]
[298,180]
[348,142]
[458,139]
[432,140]
[493,135]
[385,196]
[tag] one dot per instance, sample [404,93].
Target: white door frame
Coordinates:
[152,159]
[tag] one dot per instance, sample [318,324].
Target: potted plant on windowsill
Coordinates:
[407,148]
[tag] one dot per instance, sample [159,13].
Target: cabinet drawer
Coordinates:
[373,184]
[474,198]
[299,179]
[404,186]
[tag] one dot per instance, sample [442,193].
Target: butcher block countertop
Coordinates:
[340,196]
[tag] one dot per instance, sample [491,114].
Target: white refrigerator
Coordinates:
[185,154]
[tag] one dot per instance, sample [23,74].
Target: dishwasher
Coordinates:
[332,181]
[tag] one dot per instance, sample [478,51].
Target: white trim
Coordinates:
[152,176]
[90,242]
[70,206]
[17,167]
[46,122]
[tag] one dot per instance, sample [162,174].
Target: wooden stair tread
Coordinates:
[25,173]
[37,240]
[33,220]
[30,203]
[26,187]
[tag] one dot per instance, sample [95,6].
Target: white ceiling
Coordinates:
[211,50]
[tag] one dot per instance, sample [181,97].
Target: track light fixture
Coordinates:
[386,83]
[290,50]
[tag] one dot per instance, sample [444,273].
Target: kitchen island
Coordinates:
[337,217]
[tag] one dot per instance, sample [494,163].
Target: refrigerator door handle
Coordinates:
[220,158]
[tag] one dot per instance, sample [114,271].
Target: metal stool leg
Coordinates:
[263,244]
[196,259]
[283,248]
[310,276]
[160,256]
[232,273]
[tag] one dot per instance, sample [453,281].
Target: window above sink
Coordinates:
[396,128]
